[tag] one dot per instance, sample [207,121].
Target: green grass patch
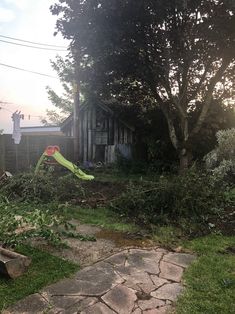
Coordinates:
[167,236]
[210,280]
[100,216]
[44,270]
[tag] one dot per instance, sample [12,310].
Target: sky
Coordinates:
[28,20]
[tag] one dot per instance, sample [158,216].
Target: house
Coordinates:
[102,132]
[41,130]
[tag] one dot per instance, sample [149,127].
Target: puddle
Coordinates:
[122,239]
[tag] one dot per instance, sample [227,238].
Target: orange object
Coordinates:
[50,150]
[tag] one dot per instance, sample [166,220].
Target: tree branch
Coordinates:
[184,85]
[200,82]
[208,96]
[171,127]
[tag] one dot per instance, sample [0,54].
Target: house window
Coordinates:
[101,121]
[101,138]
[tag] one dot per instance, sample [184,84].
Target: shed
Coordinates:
[102,133]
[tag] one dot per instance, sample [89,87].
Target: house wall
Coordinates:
[101,135]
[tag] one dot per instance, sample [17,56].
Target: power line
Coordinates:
[2,108]
[29,71]
[32,42]
[28,46]
[4,103]
[26,115]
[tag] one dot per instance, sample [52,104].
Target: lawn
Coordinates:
[100,216]
[210,281]
[44,269]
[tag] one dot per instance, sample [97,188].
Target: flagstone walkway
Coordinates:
[134,281]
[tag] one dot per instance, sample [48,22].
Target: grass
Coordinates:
[167,236]
[210,281]
[44,269]
[100,216]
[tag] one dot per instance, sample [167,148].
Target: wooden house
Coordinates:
[102,133]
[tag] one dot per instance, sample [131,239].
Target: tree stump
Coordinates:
[13,264]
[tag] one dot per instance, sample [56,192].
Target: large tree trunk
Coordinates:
[184,157]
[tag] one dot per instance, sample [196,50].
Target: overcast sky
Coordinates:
[28,20]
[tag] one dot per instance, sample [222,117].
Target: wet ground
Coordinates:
[107,243]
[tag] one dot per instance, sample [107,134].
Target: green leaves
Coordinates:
[43,187]
[193,196]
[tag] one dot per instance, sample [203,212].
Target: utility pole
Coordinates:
[76,120]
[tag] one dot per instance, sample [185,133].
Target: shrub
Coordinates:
[193,194]
[43,187]
[221,161]
[27,186]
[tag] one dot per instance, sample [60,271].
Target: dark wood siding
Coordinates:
[99,134]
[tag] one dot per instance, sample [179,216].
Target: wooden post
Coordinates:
[93,132]
[76,120]
[85,135]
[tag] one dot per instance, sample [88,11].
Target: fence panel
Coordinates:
[17,158]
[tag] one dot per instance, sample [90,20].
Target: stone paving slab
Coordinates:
[137,281]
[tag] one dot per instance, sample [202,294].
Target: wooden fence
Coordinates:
[16,158]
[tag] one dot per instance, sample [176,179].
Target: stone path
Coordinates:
[134,281]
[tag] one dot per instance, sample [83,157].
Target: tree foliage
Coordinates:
[169,53]
[63,103]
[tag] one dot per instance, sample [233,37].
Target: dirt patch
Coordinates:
[98,193]
[86,253]
[83,253]
[88,230]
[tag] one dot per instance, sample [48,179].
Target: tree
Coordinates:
[64,103]
[170,51]
[65,69]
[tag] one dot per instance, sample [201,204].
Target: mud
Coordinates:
[124,240]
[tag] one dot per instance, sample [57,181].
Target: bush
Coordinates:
[194,194]
[43,187]
[27,186]
[221,161]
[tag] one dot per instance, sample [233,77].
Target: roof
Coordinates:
[41,129]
